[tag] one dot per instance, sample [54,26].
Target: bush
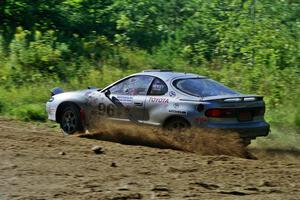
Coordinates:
[297,116]
[2,106]
[35,112]
[36,55]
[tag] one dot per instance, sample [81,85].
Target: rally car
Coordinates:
[163,98]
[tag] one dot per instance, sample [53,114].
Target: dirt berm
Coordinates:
[37,162]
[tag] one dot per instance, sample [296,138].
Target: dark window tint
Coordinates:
[158,87]
[137,85]
[202,87]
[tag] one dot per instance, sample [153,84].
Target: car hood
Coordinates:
[75,93]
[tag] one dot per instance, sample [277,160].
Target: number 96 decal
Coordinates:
[109,110]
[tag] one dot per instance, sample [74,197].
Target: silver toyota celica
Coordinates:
[163,98]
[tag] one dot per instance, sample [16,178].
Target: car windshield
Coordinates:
[201,87]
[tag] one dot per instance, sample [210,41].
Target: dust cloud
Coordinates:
[195,140]
[275,153]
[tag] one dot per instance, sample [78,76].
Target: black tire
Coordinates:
[176,124]
[70,120]
[246,141]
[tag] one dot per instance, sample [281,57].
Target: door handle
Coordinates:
[138,103]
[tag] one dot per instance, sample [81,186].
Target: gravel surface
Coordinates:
[37,162]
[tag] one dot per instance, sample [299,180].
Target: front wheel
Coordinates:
[70,121]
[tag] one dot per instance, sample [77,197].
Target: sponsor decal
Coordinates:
[201,119]
[172,94]
[87,93]
[178,112]
[176,105]
[125,99]
[157,87]
[92,100]
[51,110]
[160,100]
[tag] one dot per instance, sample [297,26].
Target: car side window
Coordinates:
[136,85]
[158,87]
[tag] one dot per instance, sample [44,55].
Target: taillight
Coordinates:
[220,113]
[213,113]
[234,112]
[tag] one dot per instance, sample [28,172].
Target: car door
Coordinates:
[129,97]
[156,102]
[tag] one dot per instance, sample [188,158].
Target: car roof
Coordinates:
[165,75]
[168,74]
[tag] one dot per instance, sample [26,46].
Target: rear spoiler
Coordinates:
[234,98]
[56,90]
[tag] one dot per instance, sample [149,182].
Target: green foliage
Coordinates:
[29,112]
[2,106]
[30,60]
[25,102]
[297,117]
[252,46]
[2,51]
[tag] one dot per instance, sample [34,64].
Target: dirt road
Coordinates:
[39,163]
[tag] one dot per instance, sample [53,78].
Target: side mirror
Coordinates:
[107,93]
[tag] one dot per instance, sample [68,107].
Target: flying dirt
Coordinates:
[201,141]
[39,162]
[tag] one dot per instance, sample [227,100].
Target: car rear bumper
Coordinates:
[246,130]
[253,132]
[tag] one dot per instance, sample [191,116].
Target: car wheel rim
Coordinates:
[177,126]
[69,122]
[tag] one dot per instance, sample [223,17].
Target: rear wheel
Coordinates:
[70,120]
[246,141]
[177,124]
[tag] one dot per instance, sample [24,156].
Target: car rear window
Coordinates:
[202,87]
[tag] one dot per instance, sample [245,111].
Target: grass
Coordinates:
[280,137]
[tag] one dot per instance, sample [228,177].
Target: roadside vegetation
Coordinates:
[252,46]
